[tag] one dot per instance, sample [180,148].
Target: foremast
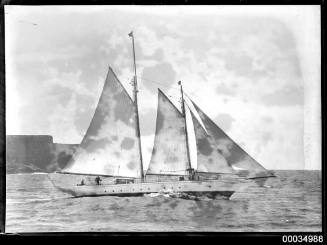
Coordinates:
[189,169]
[135,91]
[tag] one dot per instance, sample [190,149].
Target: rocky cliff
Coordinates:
[36,153]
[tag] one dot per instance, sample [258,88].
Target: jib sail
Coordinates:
[209,156]
[232,152]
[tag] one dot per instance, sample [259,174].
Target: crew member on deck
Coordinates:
[98,180]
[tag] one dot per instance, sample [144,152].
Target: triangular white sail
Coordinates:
[209,159]
[110,145]
[232,152]
[169,154]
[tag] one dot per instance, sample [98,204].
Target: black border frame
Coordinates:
[190,236]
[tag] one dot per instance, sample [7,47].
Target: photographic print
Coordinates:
[163,118]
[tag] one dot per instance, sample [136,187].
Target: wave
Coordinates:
[18,174]
[26,173]
[35,200]
[180,195]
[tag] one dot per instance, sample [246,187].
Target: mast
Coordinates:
[190,170]
[135,90]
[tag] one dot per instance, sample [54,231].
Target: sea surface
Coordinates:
[290,202]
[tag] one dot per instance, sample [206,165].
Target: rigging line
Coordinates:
[164,85]
[177,97]
[168,94]
[171,96]
[188,96]
[148,80]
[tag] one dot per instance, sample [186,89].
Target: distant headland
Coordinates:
[36,153]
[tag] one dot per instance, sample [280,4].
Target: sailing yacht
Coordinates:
[109,159]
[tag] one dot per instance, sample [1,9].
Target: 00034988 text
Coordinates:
[302,238]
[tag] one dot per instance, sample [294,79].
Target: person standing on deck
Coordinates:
[98,180]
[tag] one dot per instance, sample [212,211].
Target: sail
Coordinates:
[209,159]
[169,154]
[232,152]
[110,145]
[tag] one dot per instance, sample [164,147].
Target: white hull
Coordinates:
[71,184]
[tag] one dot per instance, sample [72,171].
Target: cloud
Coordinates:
[287,96]
[157,55]
[242,65]
[266,137]
[84,113]
[61,122]
[63,94]
[267,119]
[224,89]
[224,120]
[154,76]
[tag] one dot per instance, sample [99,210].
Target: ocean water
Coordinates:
[290,202]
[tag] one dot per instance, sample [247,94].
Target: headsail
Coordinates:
[209,157]
[110,145]
[169,154]
[232,152]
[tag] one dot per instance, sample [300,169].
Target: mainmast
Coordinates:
[135,90]
[189,169]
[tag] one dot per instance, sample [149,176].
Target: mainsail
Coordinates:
[231,151]
[209,157]
[110,145]
[169,154]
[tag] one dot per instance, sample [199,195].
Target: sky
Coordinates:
[255,70]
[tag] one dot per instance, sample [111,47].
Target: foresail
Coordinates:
[209,159]
[232,152]
[110,145]
[169,154]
